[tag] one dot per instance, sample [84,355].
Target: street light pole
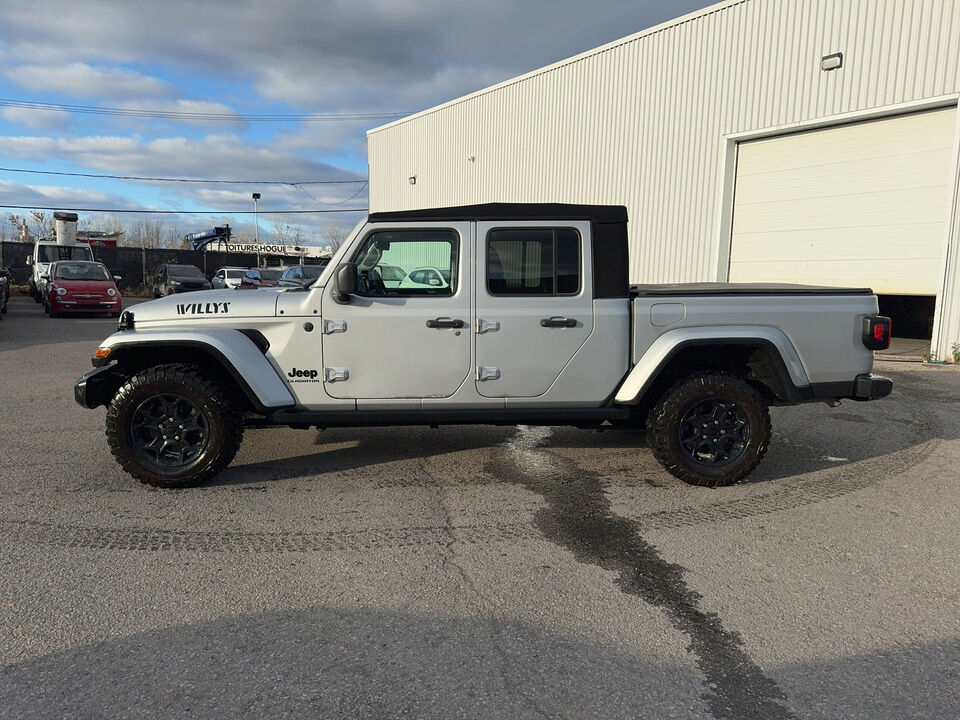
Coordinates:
[256,219]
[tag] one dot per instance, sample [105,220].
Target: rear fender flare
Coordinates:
[665,347]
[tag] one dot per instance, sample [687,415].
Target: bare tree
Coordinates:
[42,224]
[335,234]
[280,232]
[19,223]
[172,236]
[110,224]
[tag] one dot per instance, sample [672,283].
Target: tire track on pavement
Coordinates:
[144,539]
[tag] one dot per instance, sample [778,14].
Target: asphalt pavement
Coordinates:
[476,572]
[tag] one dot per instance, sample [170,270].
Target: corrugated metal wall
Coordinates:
[645,122]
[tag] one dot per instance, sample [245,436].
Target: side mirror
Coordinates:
[45,276]
[344,283]
[29,260]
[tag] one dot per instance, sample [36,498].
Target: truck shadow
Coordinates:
[806,440]
[334,663]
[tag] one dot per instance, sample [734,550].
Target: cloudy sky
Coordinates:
[231,60]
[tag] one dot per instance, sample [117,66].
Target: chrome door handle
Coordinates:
[444,322]
[558,322]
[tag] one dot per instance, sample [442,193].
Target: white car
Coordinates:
[424,277]
[228,277]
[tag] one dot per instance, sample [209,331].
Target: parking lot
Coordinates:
[476,572]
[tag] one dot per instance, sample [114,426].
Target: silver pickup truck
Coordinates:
[490,314]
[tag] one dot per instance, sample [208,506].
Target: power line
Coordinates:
[184,115]
[183,180]
[342,202]
[182,212]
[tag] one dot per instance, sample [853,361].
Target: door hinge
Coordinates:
[487,373]
[487,326]
[335,374]
[334,326]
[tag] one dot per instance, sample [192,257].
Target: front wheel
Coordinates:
[711,429]
[171,426]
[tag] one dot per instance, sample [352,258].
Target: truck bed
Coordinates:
[718,288]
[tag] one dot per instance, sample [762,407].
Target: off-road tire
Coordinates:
[666,418]
[224,424]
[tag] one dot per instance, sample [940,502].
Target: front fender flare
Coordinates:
[658,355]
[236,352]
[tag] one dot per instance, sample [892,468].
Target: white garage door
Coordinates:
[862,205]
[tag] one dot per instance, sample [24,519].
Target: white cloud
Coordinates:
[364,54]
[42,119]
[82,80]
[223,156]
[181,106]
[22,194]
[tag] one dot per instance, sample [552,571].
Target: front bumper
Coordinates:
[176,290]
[85,306]
[98,386]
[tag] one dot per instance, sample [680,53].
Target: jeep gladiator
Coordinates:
[508,314]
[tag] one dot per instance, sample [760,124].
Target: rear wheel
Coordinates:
[710,429]
[171,426]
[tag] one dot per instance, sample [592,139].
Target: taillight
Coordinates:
[876,332]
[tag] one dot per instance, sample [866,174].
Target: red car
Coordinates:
[255,277]
[81,286]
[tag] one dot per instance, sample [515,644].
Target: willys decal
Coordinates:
[210,308]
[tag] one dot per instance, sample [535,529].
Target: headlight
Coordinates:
[111,292]
[61,291]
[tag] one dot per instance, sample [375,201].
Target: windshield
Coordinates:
[270,274]
[53,253]
[81,271]
[312,272]
[184,271]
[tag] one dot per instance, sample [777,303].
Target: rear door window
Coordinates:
[533,261]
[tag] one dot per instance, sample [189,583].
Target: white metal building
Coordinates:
[740,152]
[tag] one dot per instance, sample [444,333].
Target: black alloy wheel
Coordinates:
[169,431]
[714,432]
[710,428]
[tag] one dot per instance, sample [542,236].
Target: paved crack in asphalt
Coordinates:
[579,518]
[449,559]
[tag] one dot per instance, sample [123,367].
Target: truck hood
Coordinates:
[208,305]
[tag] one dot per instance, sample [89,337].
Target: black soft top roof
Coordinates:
[601,214]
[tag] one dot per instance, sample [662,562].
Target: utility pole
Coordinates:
[256,219]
